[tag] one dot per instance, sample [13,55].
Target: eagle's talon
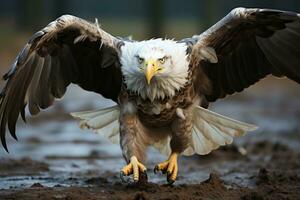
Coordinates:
[169,167]
[122,174]
[171,177]
[135,168]
[156,169]
[170,181]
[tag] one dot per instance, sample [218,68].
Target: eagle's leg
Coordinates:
[181,135]
[133,143]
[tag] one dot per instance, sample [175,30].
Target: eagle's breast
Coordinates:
[162,112]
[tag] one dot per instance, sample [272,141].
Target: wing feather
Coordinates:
[249,44]
[52,59]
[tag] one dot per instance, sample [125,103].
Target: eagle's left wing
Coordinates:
[244,47]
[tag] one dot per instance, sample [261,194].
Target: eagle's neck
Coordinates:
[161,86]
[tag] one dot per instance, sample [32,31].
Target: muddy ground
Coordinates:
[54,159]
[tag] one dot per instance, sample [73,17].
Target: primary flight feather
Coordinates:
[162,87]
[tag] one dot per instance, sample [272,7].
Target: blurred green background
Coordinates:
[142,19]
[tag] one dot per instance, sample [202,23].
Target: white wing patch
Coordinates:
[211,130]
[103,121]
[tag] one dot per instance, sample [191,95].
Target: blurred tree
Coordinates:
[155,17]
[60,7]
[210,16]
[29,14]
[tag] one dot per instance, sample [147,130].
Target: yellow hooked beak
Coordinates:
[151,69]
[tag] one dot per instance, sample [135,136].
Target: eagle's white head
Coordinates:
[156,68]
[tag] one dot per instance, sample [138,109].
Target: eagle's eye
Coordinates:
[140,60]
[162,60]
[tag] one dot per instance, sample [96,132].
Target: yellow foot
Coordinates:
[170,167]
[136,168]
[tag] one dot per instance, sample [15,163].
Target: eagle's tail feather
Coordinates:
[211,130]
[103,121]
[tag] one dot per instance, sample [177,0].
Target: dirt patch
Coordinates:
[213,188]
[270,185]
[24,166]
[273,169]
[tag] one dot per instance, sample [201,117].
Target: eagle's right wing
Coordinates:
[68,50]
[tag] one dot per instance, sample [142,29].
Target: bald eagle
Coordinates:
[162,87]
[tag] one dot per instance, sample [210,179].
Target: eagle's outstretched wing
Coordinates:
[68,50]
[249,44]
